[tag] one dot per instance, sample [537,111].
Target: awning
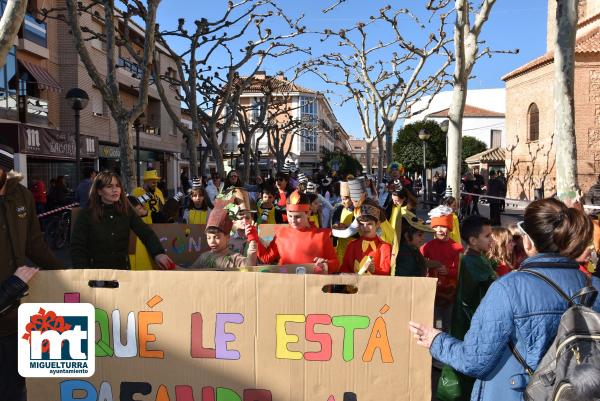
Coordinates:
[42,76]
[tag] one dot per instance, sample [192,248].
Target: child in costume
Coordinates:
[157,200]
[265,207]
[500,253]
[299,242]
[197,212]
[220,257]
[368,253]
[237,203]
[341,218]
[409,261]
[475,277]
[315,210]
[452,203]
[447,253]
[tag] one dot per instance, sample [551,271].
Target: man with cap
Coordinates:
[20,239]
[368,253]
[157,199]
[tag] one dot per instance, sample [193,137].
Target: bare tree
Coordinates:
[564,106]
[10,23]
[384,79]
[466,54]
[116,34]
[210,88]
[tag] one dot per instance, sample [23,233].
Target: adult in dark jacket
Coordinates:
[20,239]
[100,238]
[519,307]
[495,188]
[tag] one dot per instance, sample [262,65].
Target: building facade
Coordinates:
[319,129]
[43,66]
[531,146]
[359,151]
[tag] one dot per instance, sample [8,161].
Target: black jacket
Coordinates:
[11,290]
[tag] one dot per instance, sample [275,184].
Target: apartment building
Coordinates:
[320,128]
[37,121]
[359,151]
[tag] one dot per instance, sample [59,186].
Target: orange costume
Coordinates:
[292,246]
[358,251]
[447,253]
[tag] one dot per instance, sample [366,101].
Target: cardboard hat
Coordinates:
[286,166]
[196,183]
[302,178]
[312,187]
[151,175]
[370,208]
[416,222]
[358,189]
[442,216]
[297,202]
[219,218]
[344,188]
[7,158]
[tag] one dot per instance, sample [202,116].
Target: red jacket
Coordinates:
[290,246]
[360,248]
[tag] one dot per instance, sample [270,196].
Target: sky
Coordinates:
[513,24]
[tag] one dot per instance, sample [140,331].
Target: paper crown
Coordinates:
[196,183]
[371,209]
[416,222]
[358,189]
[219,218]
[441,216]
[297,202]
[344,188]
[312,188]
[151,175]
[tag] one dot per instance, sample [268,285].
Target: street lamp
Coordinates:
[444,127]
[78,100]
[424,136]
[136,124]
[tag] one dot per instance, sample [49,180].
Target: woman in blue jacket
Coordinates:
[519,307]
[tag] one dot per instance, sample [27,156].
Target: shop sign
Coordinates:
[114,152]
[54,143]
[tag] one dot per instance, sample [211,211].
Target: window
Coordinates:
[309,140]
[97,43]
[533,122]
[496,138]
[308,108]
[97,103]
[256,109]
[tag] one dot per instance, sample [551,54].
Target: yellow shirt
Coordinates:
[270,216]
[314,218]
[346,218]
[455,233]
[153,205]
[195,216]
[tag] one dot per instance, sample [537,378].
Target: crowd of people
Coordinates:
[347,225]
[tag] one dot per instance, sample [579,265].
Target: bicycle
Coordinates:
[58,229]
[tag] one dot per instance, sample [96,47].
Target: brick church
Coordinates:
[531,145]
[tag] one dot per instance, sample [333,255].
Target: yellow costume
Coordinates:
[346,218]
[455,233]
[195,216]
[270,216]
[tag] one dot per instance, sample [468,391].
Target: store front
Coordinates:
[44,153]
[109,155]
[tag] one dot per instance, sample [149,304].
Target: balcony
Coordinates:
[135,70]
[37,108]
[34,31]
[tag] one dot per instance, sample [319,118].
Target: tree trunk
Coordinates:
[127,161]
[457,107]
[192,148]
[247,166]
[369,142]
[203,159]
[9,26]
[219,160]
[564,109]
[380,159]
[389,142]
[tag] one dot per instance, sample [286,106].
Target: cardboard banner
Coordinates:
[228,336]
[183,242]
[51,142]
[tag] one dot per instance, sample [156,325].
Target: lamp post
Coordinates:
[136,125]
[78,100]
[424,136]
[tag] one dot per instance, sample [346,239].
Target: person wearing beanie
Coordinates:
[218,232]
[368,254]
[299,242]
[197,211]
[447,252]
[20,240]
